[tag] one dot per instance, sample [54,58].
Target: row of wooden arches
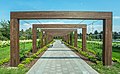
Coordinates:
[78,15]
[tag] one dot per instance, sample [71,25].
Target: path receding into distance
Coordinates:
[60,60]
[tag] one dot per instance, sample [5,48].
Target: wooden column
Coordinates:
[68,38]
[42,39]
[107,42]
[84,39]
[34,38]
[14,42]
[65,38]
[45,38]
[75,38]
[71,39]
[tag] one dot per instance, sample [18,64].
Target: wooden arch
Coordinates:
[51,28]
[84,15]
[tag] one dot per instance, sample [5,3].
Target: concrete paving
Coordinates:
[60,60]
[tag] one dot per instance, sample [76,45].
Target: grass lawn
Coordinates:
[114,69]
[98,48]
[13,71]
[5,53]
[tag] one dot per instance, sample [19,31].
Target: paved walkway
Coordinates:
[60,60]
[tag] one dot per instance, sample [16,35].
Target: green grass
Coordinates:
[98,48]
[12,71]
[5,51]
[114,69]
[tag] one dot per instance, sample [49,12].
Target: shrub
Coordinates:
[4,61]
[116,60]
[27,60]
[34,56]
[21,66]
[99,56]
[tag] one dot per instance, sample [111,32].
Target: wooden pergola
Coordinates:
[59,30]
[78,15]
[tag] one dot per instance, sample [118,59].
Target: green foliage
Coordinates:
[4,61]
[4,70]
[34,56]
[99,56]
[27,61]
[4,43]
[5,30]
[116,60]
[21,66]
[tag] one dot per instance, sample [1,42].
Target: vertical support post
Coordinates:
[14,42]
[45,37]
[68,38]
[34,37]
[84,39]
[71,38]
[107,42]
[75,38]
[42,39]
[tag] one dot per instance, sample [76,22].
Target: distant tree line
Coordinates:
[5,32]
[27,34]
[99,35]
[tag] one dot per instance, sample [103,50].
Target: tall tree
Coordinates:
[5,29]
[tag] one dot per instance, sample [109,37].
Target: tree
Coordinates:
[5,29]
[115,35]
[96,34]
[28,33]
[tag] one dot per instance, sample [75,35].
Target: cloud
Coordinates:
[116,17]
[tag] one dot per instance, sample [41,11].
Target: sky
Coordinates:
[7,6]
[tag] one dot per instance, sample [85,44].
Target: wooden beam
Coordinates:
[60,25]
[57,30]
[61,15]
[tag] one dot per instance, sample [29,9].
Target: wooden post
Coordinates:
[75,38]
[71,39]
[107,42]
[14,42]
[42,39]
[84,39]
[68,38]
[45,38]
[34,31]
